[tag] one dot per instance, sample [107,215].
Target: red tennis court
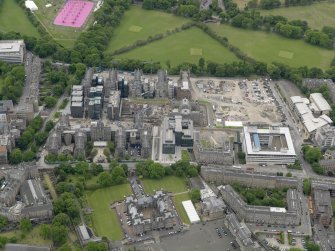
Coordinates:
[74,13]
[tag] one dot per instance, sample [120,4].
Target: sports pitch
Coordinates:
[186,46]
[13,18]
[317,15]
[268,47]
[139,24]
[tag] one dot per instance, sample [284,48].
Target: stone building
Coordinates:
[162,217]
[322,205]
[222,155]
[222,175]
[37,204]
[242,233]
[260,214]
[54,142]
[100,132]
[80,140]
[325,137]
[182,90]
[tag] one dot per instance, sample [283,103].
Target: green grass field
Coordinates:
[317,15]
[105,220]
[179,47]
[178,199]
[268,47]
[66,36]
[13,18]
[139,24]
[171,184]
[33,237]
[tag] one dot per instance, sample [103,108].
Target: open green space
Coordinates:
[177,200]
[317,15]
[177,49]
[172,184]
[13,18]
[66,36]
[267,47]
[33,237]
[105,220]
[139,24]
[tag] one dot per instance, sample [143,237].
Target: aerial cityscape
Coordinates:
[167,125]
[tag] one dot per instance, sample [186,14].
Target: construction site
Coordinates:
[236,100]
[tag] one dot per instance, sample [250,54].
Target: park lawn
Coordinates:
[65,36]
[267,47]
[33,237]
[139,24]
[180,47]
[105,220]
[317,15]
[13,18]
[172,184]
[177,200]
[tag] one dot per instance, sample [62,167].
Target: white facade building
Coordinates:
[272,145]
[12,51]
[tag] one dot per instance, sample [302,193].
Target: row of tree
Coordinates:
[271,4]
[150,169]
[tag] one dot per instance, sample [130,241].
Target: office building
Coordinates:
[271,145]
[12,51]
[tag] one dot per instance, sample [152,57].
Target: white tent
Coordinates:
[190,211]
[31,5]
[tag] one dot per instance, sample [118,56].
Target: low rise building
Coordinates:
[308,114]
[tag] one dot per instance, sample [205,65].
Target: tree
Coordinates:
[28,156]
[49,126]
[289,175]
[15,156]
[201,63]
[45,231]
[111,147]
[3,222]
[40,138]
[96,168]
[104,179]
[50,102]
[156,171]
[25,225]
[95,246]
[195,195]
[58,234]
[312,154]
[61,219]
[67,204]
[118,176]
[307,186]
[26,138]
